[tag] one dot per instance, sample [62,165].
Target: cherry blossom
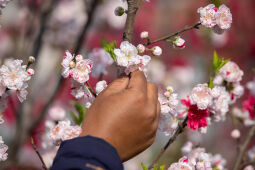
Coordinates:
[223,17]
[179,42]
[14,75]
[249,105]
[230,72]
[68,58]
[201,96]
[57,113]
[180,166]
[196,117]
[3,149]
[157,51]
[235,133]
[81,71]
[100,86]
[64,131]
[127,56]
[249,167]
[208,15]
[141,48]
[144,35]
[3,3]
[101,60]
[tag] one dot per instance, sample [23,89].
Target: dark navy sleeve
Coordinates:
[87,153]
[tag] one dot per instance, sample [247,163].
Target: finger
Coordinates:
[117,85]
[156,121]
[152,93]
[138,81]
[158,110]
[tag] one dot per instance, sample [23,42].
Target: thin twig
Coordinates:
[178,131]
[91,89]
[196,26]
[243,148]
[39,155]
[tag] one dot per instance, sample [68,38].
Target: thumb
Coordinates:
[117,85]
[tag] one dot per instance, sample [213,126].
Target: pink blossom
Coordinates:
[81,71]
[201,96]
[140,48]
[231,72]
[157,51]
[249,167]
[179,42]
[224,17]
[64,131]
[208,15]
[249,105]
[57,113]
[235,134]
[3,149]
[101,60]
[196,117]
[100,86]
[66,64]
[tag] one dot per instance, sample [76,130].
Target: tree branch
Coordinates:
[243,148]
[131,13]
[196,26]
[178,131]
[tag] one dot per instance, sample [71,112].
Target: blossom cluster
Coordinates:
[196,158]
[219,19]
[169,116]
[127,56]
[78,68]
[3,147]
[14,77]
[64,131]
[207,104]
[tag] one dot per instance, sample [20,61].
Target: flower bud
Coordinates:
[119,11]
[156,51]
[78,58]
[144,35]
[31,59]
[170,89]
[30,71]
[140,48]
[179,42]
[235,134]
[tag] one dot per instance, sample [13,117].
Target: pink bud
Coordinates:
[235,134]
[144,35]
[30,71]
[140,48]
[179,42]
[156,51]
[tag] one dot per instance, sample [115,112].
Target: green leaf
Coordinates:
[162,167]
[217,3]
[75,118]
[210,85]
[218,62]
[109,47]
[144,167]
[81,110]
[155,167]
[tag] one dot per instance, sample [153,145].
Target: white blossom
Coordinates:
[140,48]
[208,15]
[157,51]
[14,75]
[231,72]
[223,17]
[179,42]
[64,131]
[81,71]
[57,113]
[100,86]
[101,60]
[3,149]
[68,58]
[235,134]
[201,96]
[144,35]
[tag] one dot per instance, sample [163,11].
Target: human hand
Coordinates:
[125,115]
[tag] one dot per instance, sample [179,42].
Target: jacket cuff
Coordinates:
[89,147]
